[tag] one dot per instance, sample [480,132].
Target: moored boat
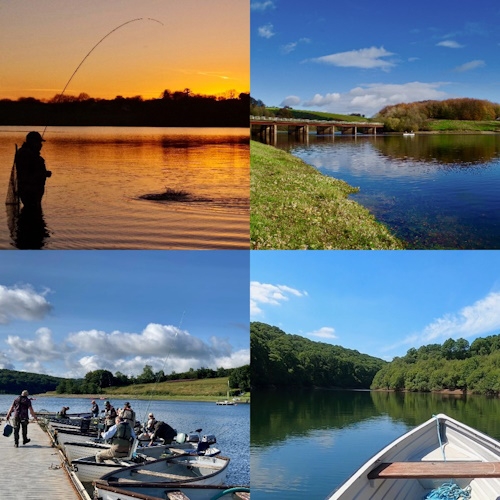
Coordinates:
[439,454]
[184,469]
[147,491]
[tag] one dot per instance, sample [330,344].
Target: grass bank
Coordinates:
[293,206]
[461,126]
[210,389]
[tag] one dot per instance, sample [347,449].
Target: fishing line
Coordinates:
[153,389]
[92,50]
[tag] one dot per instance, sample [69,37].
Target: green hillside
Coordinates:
[280,359]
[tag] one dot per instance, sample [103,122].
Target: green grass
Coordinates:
[319,115]
[293,206]
[209,389]
[462,126]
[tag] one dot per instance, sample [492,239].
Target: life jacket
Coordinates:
[123,435]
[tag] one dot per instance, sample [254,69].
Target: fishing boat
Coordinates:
[170,472]
[74,450]
[158,491]
[408,134]
[440,455]
[150,491]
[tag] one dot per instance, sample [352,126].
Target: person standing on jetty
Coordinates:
[31,172]
[21,407]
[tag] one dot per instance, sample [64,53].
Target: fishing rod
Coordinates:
[92,50]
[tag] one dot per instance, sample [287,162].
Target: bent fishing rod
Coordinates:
[92,50]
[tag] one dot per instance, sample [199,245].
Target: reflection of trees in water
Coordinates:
[450,149]
[277,415]
[413,408]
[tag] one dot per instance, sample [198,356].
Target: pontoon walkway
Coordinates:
[35,470]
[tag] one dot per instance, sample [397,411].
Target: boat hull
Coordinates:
[455,442]
[153,492]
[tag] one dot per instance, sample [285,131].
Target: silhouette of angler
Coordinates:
[31,171]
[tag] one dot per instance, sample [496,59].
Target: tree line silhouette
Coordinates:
[171,109]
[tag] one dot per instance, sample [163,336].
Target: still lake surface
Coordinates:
[229,424]
[306,444]
[92,200]
[433,191]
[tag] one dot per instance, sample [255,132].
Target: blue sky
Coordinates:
[380,303]
[360,56]
[68,312]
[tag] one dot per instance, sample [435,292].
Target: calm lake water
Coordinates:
[433,191]
[93,198]
[306,444]
[229,424]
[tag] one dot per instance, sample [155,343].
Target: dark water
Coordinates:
[306,444]
[229,424]
[433,191]
[93,199]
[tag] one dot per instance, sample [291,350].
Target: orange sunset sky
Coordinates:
[203,45]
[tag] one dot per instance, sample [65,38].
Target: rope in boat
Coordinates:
[450,490]
[230,490]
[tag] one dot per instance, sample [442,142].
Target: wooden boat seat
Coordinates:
[242,495]
[176,495]
[164,475]
[435,470]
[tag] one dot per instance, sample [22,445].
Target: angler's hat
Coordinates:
[34,137]
[24,393]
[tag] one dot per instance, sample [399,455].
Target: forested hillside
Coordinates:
[280,359]
[416,115]
[453,365]
[13,382]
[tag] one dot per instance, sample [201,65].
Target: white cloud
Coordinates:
[370,98]
[262,6]
[266,31]
[326,100]
[6,362]
[470,65]
[451,44]
[290,47]
[264,293]
[480,318]
[291,100]
[164,347]
[363,58]
[326,332]
[22,303]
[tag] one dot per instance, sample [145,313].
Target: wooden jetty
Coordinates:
[35,470]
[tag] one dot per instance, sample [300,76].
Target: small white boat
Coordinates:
[442,453]
[408,134]
[75,450]
[147,491]
[183,469]
[225,402]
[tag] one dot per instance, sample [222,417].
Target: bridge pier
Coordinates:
[299,130]
[330,130]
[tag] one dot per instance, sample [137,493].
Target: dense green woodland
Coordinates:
[279,359]
[453,365]
[416,115]
[13,382]
[172,109]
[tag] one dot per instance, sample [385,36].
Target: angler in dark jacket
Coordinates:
[20,409]
[31,171]
[163,431]
[121,436]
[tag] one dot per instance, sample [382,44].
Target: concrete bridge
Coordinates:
[268,126]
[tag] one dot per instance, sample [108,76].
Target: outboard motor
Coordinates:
[209,438]
[85,425]
[193,438]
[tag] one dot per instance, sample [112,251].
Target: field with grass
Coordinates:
[319,115]
[293,206]
[462,126]
[209,389]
